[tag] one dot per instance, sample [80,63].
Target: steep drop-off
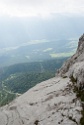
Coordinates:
[51,102]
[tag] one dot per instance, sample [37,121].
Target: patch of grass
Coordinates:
[79,94]
[82,119]
[75,89]
[73,79]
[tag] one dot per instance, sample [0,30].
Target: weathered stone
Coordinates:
[75,65]
[51,102]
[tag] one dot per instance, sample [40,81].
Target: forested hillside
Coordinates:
[36,67]
[17,79]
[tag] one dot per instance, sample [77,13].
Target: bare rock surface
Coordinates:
[51,102]
[75,65]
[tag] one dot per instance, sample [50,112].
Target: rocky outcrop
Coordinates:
[75,65]
[51,102]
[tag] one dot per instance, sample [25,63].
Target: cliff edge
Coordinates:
[51,102]
[74,67]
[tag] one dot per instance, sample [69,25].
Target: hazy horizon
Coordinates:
[24,21]
[39,29]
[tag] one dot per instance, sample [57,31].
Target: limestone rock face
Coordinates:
[51,102]
[75,65]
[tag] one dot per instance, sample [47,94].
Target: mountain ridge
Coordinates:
[75,65]
[53,101]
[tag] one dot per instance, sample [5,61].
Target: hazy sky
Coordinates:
[44,8]
[25,20]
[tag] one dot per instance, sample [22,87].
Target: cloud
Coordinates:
[21,8]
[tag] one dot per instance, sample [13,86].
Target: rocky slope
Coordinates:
[51,102]
[75,65]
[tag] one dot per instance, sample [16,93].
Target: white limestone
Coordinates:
[51,102]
